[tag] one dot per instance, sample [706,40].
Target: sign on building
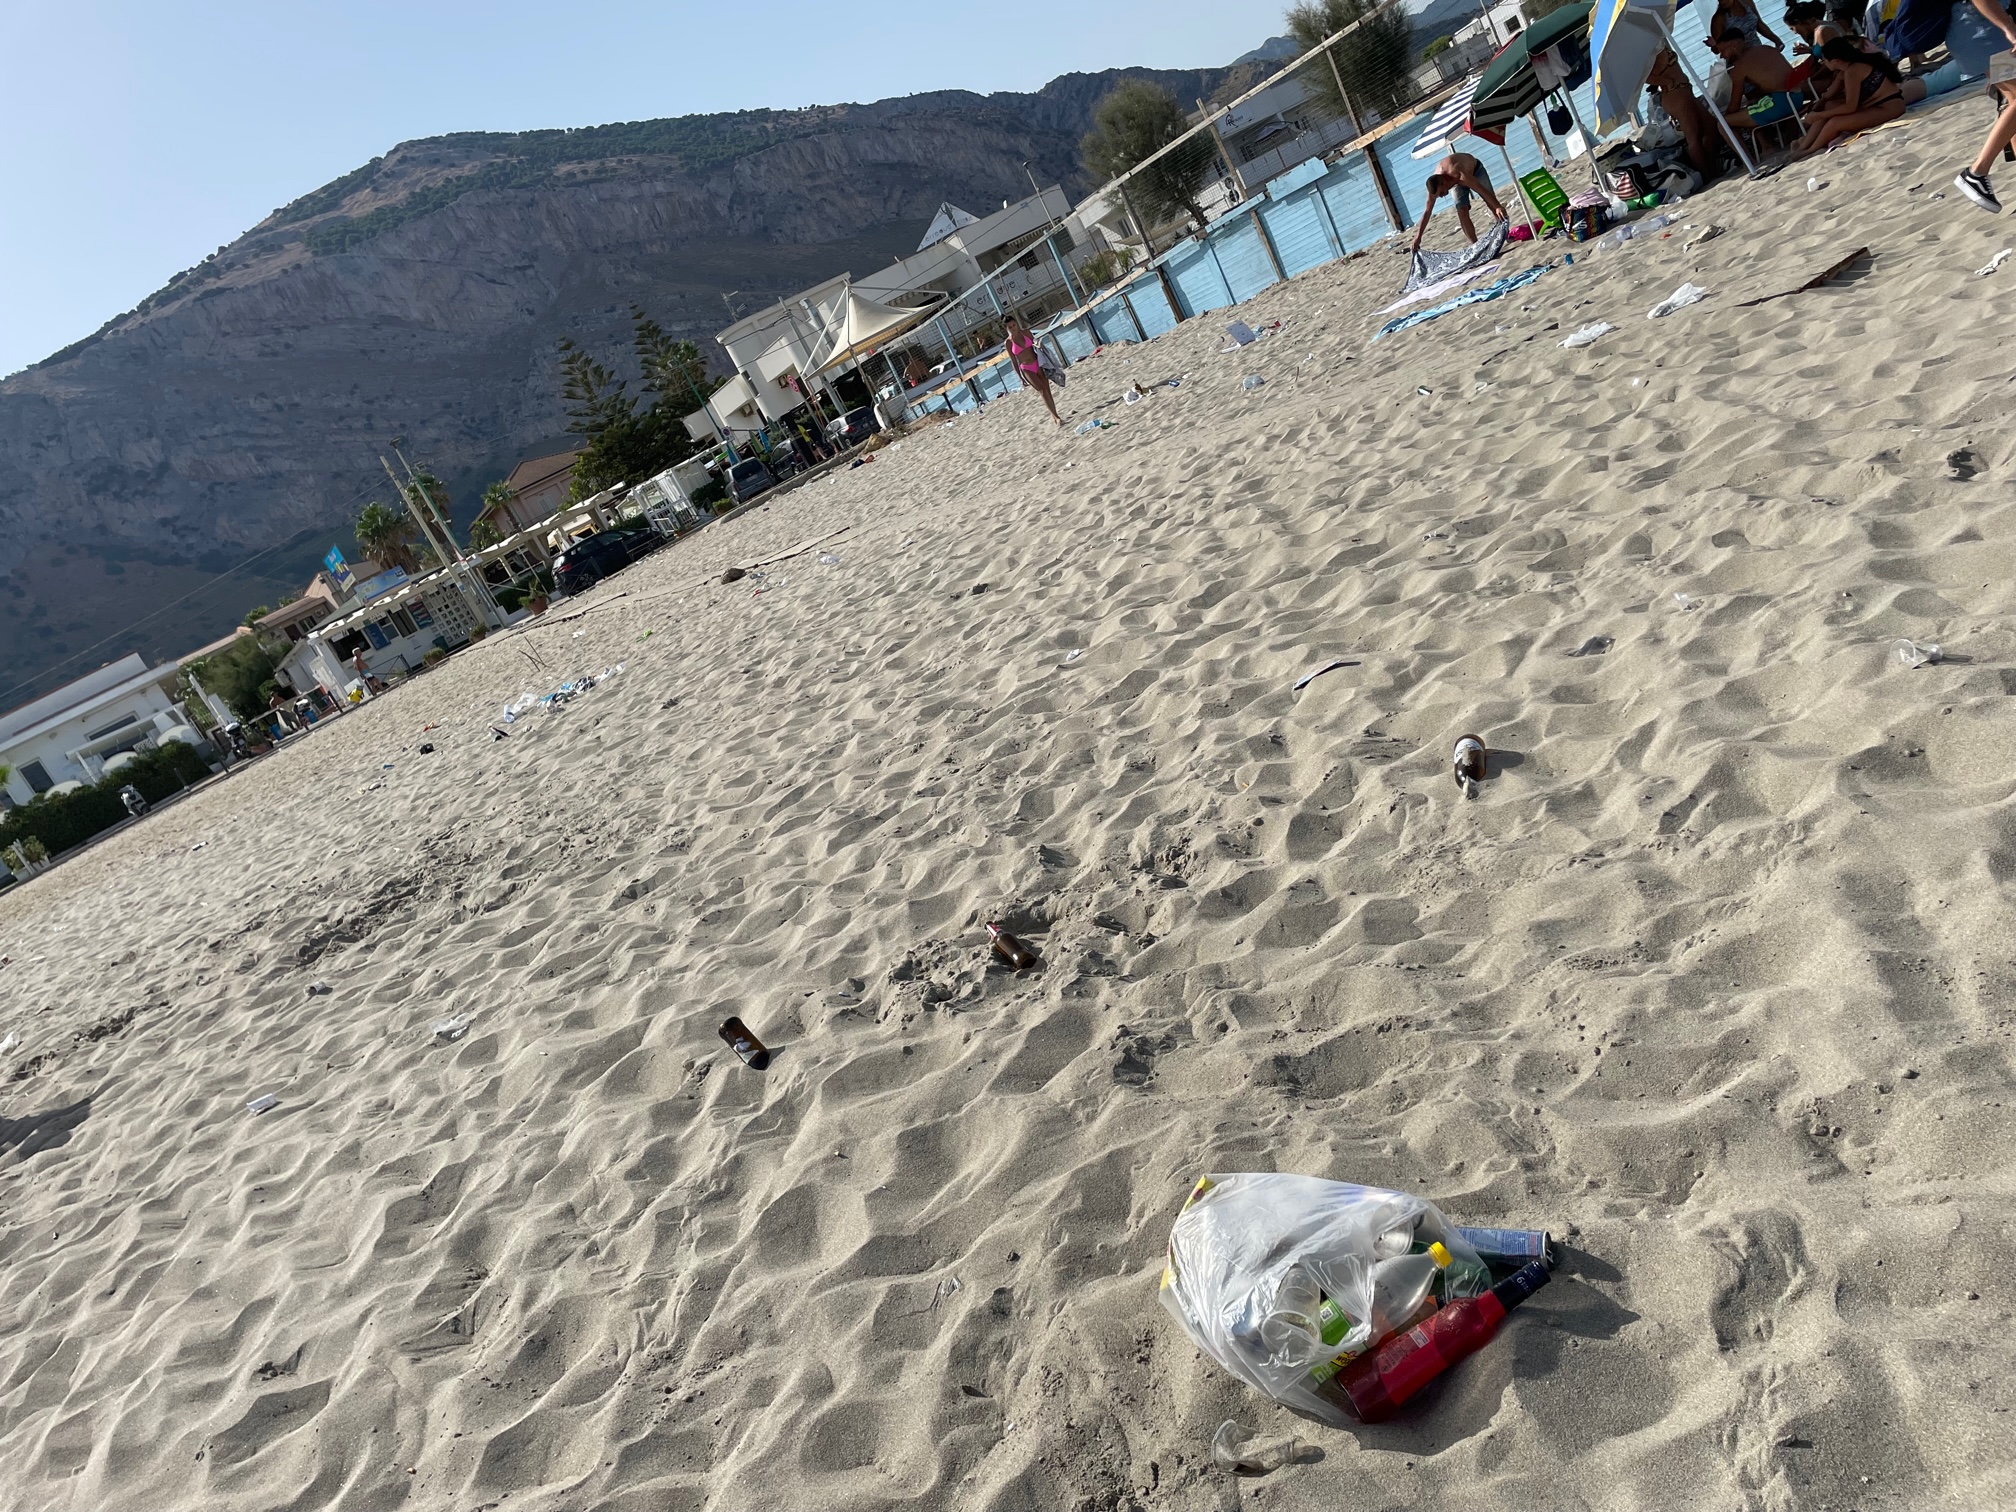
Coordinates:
[339,570]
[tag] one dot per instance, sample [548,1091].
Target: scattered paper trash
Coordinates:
[1918,653]
[1589,334]
[1241,333]
[262,1102]
[1708,234]
[1336,1300]
[1252,381]
[1995,262]
[829,559]
[1814,185]
[12,1041]
[451,1029]
[1679,299]
[1687,602]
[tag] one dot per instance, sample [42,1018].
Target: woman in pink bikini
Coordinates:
[1029,362]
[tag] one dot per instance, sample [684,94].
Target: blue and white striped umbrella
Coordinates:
[1449,122]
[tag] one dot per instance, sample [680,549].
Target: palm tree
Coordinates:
[388,535]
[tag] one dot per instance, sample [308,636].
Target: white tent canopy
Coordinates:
[861,324]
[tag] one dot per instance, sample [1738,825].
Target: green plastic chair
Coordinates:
[1546,196]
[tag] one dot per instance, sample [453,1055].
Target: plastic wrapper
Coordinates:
[1284,1280]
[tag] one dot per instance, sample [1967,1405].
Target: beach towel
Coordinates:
[1433,267]
[1496,290]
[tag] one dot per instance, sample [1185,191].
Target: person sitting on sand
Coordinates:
[1812,22]
[1686,110]
[1871,93]
[1751,68]
[1465,176]
[1809,22]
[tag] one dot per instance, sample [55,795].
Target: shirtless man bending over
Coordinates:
[1463,174]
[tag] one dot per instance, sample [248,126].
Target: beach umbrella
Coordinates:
[1510,86]
[1448,123]
[1624,37]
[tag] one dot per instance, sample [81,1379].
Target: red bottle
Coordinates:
[1379,1382]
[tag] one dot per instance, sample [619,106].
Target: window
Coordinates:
[403,622]
[117,724]
[37,775]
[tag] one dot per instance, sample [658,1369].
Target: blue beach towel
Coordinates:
[1490,291]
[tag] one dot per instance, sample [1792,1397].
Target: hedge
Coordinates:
[66,821]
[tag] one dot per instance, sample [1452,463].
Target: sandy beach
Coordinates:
[1712,977]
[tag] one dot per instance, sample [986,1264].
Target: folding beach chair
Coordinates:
[1548,199]
[1779,110]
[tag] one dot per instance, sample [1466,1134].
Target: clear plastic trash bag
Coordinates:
[1284,1280]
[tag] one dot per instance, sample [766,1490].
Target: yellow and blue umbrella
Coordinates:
[1624,37]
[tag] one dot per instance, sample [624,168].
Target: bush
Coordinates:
[65,822]
[434,658]
[711,495]
[510,600]
[1102,268]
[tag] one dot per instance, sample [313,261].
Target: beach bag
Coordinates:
[1919,26]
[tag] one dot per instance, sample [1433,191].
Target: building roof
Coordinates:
[301,608]
[948,219]
[33,720]
[537,470]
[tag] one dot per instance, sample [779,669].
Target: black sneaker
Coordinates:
[1975,187]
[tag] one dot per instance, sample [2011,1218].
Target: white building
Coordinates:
[68,735]
[1019,253]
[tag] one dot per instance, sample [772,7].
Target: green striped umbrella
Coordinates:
[1509,87]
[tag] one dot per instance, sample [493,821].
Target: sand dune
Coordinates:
[1713,976]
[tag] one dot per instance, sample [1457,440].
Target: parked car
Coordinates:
[750,477]
[592,558]
[854,427]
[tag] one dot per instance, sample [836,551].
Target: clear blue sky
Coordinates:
[140,137]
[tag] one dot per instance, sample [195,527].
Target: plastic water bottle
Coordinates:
[1251,382]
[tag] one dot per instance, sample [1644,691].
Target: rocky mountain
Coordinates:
[240,409]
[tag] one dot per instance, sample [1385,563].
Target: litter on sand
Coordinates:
[1251,382]
[1468,763]
[1308,677]
[1589,334]
[1679,299]
[1995,262]
[1337,1300]
[1827,275]
[1596,645]
[1918,653]
[262,1102]
[451,1029]
[1238,1452]
[1094,424]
